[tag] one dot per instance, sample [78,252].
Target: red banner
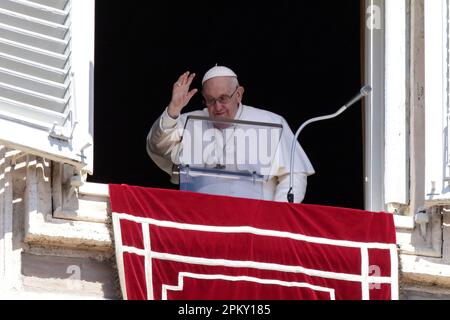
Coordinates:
[182,245]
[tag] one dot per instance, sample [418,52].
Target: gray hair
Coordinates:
[234,82]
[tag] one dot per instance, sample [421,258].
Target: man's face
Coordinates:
[222,96]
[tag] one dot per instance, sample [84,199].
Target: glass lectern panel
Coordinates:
[221,182]
[228,157]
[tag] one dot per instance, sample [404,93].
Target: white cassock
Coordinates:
[165,135]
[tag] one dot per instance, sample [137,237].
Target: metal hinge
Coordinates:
[422,218]
[62,133]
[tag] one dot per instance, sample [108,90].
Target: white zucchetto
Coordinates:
[218,71]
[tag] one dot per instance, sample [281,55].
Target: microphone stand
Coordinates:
[364,92]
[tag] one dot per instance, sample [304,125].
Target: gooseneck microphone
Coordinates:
[363,93]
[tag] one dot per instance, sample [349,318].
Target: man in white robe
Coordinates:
[223,98]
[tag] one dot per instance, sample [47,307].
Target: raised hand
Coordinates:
[181,94]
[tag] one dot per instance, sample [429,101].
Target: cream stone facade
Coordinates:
[55,243]
[407,64]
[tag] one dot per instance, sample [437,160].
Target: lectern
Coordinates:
[228,157]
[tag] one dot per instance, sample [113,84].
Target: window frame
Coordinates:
[437,171]
[374,105]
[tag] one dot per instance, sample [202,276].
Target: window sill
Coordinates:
[83,229]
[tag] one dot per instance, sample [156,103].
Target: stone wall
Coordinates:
[43,256]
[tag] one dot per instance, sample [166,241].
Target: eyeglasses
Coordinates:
[223,99]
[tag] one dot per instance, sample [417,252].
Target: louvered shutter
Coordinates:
[46,78]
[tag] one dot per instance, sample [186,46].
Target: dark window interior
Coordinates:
[300,59]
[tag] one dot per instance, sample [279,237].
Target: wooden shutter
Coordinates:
[46,78]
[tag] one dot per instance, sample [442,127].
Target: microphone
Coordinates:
[365,91]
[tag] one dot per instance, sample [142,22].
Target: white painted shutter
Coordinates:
[46,78]
[437,176]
